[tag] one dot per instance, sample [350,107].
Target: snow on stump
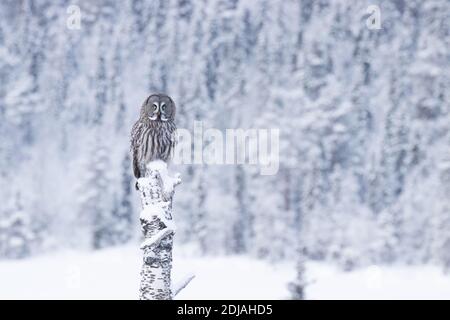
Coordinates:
[156,190]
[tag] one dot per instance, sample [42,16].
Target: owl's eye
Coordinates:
[163,107]
[155,107]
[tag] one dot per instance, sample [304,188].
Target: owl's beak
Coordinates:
[158,113]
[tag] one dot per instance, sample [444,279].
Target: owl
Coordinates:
[153,136]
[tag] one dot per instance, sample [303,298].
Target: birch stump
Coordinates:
[156,190]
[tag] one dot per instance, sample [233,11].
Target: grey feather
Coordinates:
[152,136]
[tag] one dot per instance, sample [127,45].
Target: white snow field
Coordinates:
[114,274]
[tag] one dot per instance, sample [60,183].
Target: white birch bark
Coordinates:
[156,190]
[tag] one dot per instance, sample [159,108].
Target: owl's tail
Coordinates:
[136,170]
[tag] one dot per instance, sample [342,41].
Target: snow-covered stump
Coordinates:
[156,190]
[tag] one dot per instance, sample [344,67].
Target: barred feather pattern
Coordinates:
[151,140]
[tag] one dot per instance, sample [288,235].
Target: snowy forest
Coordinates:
[363,112]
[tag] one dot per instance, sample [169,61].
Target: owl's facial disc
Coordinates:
[163,112]
[159,107]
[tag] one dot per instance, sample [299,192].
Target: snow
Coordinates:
[114,274]
[148,242]
[157,165]
[151,211]
[168,182]
[181,284]
[375,282]
[157,210]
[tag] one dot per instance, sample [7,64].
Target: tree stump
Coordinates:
[156,190]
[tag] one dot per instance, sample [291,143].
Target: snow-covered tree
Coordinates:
[362,114]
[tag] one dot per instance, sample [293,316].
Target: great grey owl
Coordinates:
[153,136]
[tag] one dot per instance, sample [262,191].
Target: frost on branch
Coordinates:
[156,190]
[180,285]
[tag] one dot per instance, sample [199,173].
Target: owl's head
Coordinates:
[158,107]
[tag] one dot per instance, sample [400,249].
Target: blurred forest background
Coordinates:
[364,116]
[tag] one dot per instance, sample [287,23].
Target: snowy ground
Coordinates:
[114,274]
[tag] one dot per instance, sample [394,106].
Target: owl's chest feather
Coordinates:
[158,141]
